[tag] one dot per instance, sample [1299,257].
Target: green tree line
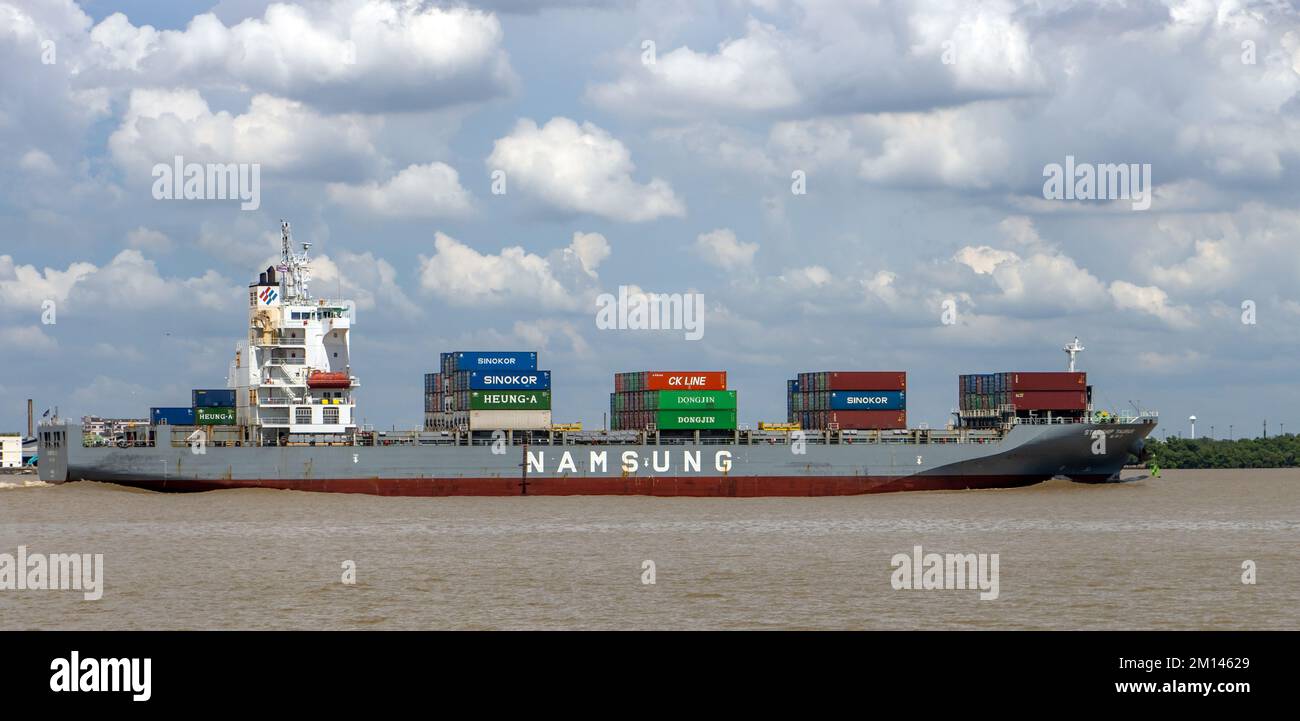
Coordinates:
[1273,452]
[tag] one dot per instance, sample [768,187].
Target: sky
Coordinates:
[849,185]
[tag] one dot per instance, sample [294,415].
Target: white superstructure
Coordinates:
[293,373]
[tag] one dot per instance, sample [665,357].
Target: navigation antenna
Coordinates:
[294,267]
[1073,349]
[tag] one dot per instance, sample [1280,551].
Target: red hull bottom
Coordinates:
[666,486]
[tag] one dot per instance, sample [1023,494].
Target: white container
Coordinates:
[509,420]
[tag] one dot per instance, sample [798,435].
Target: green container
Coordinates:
[695,420]
[703,400]
[510,400]
[214,416]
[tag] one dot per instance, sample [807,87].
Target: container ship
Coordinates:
[287,420]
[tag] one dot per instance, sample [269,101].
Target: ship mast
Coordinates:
[1073,349]
[294,267]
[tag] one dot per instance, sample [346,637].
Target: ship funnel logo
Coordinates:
[268,295]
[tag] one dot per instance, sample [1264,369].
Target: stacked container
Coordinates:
[672,401]
[849,400]
[1065,392]
[213,407]
[488,390]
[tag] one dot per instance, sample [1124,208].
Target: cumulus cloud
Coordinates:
[26,286]
[147,239]
[283,136]
[369,280]
[832,58]
[1151,300]
[580,169]
[128,281]
[38,162]
[720,247]
[420,191]
[748,74]
[461,275]
[351,55]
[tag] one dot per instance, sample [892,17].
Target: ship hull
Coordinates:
[1025,456]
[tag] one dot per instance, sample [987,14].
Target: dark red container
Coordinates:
[867,381]
[867,420]
[686,381]
[1041,381]
[1049,400]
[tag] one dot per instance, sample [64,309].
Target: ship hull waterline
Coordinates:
[1024,457]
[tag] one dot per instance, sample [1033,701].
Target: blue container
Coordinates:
[504,361]
[507,381]
[868,400]
[171,416]
[792,386]
[214,398]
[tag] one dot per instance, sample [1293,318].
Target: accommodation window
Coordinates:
[302,416]
[331,415]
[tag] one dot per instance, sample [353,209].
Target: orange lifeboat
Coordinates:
[327,379]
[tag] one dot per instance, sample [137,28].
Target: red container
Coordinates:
[867,381]
[1049,400]
[866,420]
[1062,381]
[686,380]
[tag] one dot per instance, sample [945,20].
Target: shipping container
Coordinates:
[492,380]
[866,380]
[171,416]
[214,398]
[695,420]
[670,381]
[510,400]
[867,400]
[1050,400]
[677,400]
[214,416]
[509,420]
[503,361]
[1062,381]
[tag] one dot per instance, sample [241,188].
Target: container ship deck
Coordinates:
[287,421]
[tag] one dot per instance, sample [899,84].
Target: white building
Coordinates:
[11,451]
[292,375]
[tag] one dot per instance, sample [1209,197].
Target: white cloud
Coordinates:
[720,247]
[355,55]
[590,249]
[25,286]
[370,281]
[27,338]
[36,161]
[419,191]
[984,259]
[461,275]
[580,169]
[143,238]
[807,278]
[835,58]
[283,136]
[1151,300]
[747,74]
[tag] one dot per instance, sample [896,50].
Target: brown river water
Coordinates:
[1162,553]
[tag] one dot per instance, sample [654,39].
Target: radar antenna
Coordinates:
[1073,349]
[294,267]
